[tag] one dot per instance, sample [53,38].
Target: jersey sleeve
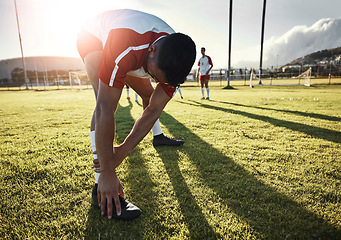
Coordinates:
[124,51]
[210,61]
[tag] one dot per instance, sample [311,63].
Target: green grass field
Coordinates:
[261,163]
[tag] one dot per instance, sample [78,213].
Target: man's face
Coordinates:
[203,51]
[154,71]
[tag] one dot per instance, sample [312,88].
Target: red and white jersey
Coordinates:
[204,64]
[126,36]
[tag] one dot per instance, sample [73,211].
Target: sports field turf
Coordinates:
[258,163]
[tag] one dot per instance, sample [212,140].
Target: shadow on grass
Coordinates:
[304,114]
[142,194]
[197,224]
[322,133]
[269,213]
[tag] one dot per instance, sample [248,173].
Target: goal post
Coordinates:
[78,79]
[307,77]
[253,76]
[268,80]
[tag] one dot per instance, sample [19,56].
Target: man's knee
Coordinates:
[145,96]
[92,63]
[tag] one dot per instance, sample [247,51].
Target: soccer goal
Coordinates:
[253,76]
[306,76]
[269,80]
[78,79]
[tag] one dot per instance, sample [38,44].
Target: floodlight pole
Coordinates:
[230,40]
[22,52]
[261,43]
[330,68]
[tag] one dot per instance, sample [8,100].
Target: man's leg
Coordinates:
[127,87]
[92,62]
[128,210]
[179,90]
[207,89]
[202,87]
[144,89]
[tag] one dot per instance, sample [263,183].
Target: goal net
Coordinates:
[253,76]
[306,76]
[78,80]
[285,79]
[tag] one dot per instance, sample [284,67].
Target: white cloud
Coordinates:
[297,42]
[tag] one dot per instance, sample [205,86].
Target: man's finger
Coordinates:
[120,191]
[103,205]
[96,165]
[117,205]
[109,207]
[99,197]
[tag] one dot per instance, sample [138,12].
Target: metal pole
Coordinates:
[277,68]
[230,40]
[330,68]
[261,43]
[22,52]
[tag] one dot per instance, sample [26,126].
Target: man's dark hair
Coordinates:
[176,57]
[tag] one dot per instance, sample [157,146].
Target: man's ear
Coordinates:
[152,50]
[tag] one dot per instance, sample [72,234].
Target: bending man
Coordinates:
[128,46]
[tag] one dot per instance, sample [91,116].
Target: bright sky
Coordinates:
[50,27]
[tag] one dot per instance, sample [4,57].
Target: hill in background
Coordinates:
[319,56]
[40,64]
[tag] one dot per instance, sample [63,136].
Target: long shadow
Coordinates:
[322,133]
[304,114]
[125,122]
[269,213]
[192,213]
[139,182]
[135,179]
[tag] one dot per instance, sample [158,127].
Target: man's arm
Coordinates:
[142,126]
[211,66]
[207,73]
[108,184]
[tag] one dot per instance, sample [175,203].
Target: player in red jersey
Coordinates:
[205,65]
[128,47]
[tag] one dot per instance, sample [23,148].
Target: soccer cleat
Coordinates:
[202,98]
[128,98]
[128,210]
[207,98]
[162,140]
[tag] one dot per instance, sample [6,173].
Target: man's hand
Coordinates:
[95,164]
[119,152]
[109,187]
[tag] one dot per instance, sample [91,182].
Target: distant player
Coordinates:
[128,46]
[205,65]
[136,95]
[179,90]
[127,87]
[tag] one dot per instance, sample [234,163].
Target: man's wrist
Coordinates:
[108,170]
[107,166]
